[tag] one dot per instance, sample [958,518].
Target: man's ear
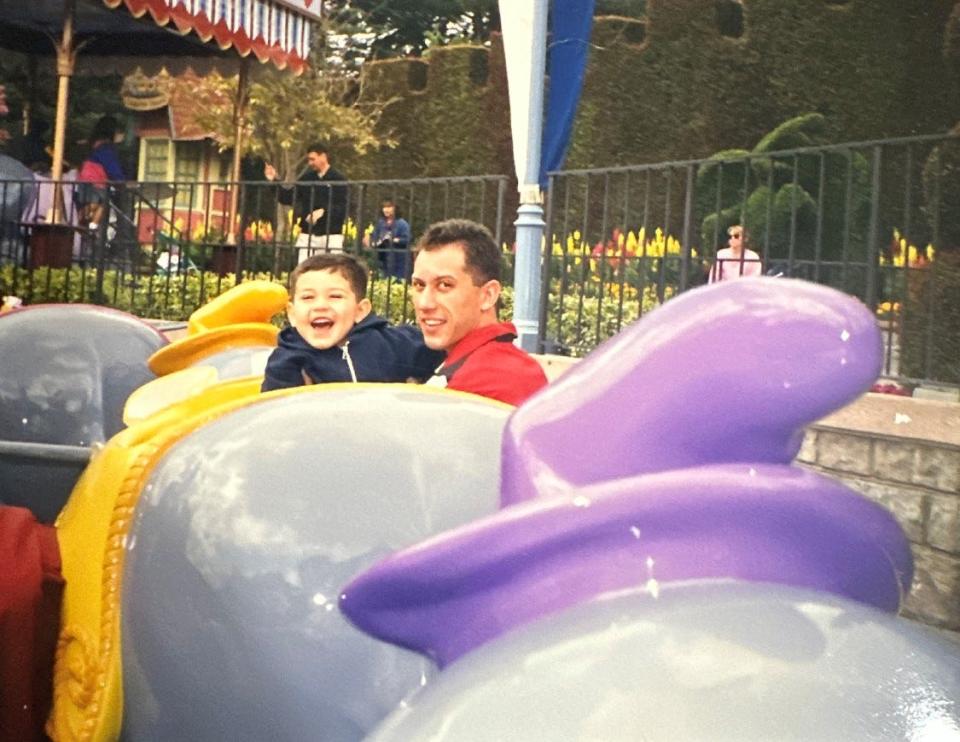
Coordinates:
[489,294]
[364,308]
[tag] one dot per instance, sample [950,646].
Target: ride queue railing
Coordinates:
[168,247]
[877,219]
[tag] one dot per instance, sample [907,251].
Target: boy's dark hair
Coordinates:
[105,128]
[320,148]
[481,256]
[346,265]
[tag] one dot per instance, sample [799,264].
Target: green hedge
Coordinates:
[583,322]
[157,297]
[688,90]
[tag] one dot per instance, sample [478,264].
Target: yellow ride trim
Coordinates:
[237,318]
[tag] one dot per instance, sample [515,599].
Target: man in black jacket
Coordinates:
[319,201]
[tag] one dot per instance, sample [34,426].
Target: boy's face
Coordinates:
[324,308]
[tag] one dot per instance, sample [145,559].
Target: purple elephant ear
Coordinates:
[662,457]
[730,372]
[764,523]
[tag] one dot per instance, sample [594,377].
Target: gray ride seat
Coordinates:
[65,374]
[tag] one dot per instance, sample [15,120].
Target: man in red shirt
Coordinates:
[456,287]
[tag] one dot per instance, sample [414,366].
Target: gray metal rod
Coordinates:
[48,451]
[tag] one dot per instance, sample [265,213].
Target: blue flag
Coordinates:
[570,23]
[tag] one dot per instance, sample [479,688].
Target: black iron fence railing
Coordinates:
[879,220]
[163,249]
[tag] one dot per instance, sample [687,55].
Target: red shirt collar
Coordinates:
[475,338]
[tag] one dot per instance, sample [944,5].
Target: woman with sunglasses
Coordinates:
[737,260]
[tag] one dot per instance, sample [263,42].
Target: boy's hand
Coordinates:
[314,215]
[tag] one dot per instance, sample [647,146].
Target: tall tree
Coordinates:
[286,113]
[387,28]
[409,27]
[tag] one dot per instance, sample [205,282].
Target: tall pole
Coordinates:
[529,223]
[66,58]
[30,104]
[240,116]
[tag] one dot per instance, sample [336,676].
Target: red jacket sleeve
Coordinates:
[31,587]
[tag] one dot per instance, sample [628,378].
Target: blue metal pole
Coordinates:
[529,223]
[526,284]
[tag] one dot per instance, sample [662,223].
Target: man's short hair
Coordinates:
[481,256]
[320,148]
[346,265]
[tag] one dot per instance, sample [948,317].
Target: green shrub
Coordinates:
[157,297]
[776,198]
[585,319]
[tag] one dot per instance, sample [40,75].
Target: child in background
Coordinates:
[333,336]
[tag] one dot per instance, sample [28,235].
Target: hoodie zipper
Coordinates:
[349,360]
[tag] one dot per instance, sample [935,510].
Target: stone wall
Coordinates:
[904,454]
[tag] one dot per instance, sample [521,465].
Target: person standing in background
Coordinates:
[319,200]
[736,260]
[100,170]
[391,239]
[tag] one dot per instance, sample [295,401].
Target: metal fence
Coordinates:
[874,219]
[162,249]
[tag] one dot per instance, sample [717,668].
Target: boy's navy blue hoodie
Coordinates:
[373,351]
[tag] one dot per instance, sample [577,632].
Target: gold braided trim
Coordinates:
[80,683]
[73,674]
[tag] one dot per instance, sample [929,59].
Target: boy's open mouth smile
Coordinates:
[321,323]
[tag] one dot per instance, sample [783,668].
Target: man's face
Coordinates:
[324,308]
[447,302]
[317,161]
[389,210]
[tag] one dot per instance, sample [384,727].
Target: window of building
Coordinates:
[187,171]
[730,18]
[156,159]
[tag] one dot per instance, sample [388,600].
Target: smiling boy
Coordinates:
[456,287]
[333,336]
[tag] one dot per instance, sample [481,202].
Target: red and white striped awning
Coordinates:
[276,31]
